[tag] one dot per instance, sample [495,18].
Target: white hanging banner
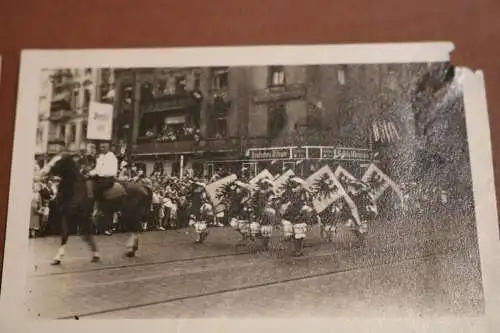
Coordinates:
[380,182]
[322,201]
[264,174]
[100,121]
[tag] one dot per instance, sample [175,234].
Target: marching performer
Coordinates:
[367,209]
[329,220]
[199,211]
[240,196]
[264,213]
[298,211]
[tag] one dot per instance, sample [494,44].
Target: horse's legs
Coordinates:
[86,227]
[64,239]
[132,217]
[132,245]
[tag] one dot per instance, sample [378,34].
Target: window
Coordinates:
[176,169]
[341,76]
[162,87]
[210,169]
[197,81]
[88,71]
[127,94]
[218,120]
[276,120]
[105,75]
[84,129]
[146,92]
[197,170]
[220,78]
[220,128]
[180,84]
[104,90]
[74,99]
[158,168]
[62,132]
[72,133]
[276,76]
[39,135]
[249,170]
[86,99]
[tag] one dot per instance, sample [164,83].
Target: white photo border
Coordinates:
[12,301]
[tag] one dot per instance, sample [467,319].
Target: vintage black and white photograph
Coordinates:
[271,191]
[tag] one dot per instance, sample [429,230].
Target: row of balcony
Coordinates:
[238,144]
[272,94]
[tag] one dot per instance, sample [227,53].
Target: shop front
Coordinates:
[304,161]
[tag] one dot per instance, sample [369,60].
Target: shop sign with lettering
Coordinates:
[269,154]
[345,154]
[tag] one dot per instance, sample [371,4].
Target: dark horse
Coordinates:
[76,203]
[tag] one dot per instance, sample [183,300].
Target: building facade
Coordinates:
[204,118]
[63,108]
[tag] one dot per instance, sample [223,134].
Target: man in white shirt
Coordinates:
[105,171]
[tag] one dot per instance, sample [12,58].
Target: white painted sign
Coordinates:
[100,121]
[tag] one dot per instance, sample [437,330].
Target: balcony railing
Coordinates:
[168,102]
[280,93]
[187,146]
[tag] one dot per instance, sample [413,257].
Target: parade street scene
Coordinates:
[271,191]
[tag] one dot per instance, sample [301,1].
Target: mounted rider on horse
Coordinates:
[104,174]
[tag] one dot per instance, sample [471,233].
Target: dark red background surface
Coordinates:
[473,25]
